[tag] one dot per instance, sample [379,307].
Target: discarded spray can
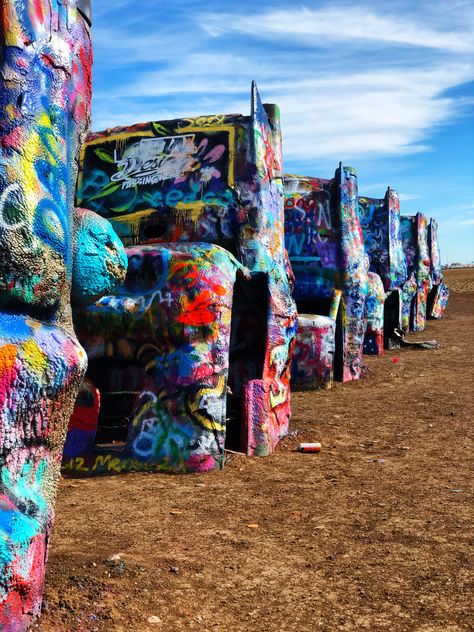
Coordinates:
[310,447]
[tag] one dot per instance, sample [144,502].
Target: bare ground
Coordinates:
[374,533]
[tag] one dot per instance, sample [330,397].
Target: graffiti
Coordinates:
[324,241]
[7,195]
[132,170]
[374,316]
[262,245]
[312,236]
[313,357]
[182,326]
[407,295]
[205,121]
[178,418]
[440,301]
[108,464]
[439,293]
[355,278]
[434,253]
[398,264]
[83,423]
[156,160]
[312,222]
[157,188]
[44,116]
[380,221]
[415,244]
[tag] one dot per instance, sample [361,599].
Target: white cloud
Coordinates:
[406,197]
[336,103]
[316,27]
[341,117]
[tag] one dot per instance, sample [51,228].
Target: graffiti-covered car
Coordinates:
[192,356]
[380,221]
[415,291]
[439,293]
[45,89]
[324,243]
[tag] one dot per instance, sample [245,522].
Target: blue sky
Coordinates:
[385,86]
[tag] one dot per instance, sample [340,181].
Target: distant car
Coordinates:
[324,242]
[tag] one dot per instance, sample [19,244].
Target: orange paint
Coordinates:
[7,358]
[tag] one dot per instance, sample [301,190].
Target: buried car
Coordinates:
[192,355]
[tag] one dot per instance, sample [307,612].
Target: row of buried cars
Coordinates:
[241,280]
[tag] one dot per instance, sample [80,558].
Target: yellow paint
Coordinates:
[12,31]
[11,111]
[133,220]
[34,357]
[111,463]
[278,398]
[194,407]
[205,121]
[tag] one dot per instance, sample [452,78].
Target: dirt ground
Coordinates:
[374,533]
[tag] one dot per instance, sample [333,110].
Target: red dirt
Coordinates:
[374,533]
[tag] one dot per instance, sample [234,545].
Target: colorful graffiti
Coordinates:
[44,111]
[374,316]
[380,221]
[409,288]
[41,368]
[194,182]
[325,246]
[434,253]
[171,180]
[418,285]
[439,301]
[171,321]
[44,114]
[439,293]
[355,278]
[312,234]
[313,356]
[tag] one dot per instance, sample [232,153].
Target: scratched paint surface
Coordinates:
[44,115]
[325,245]
[213,180]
